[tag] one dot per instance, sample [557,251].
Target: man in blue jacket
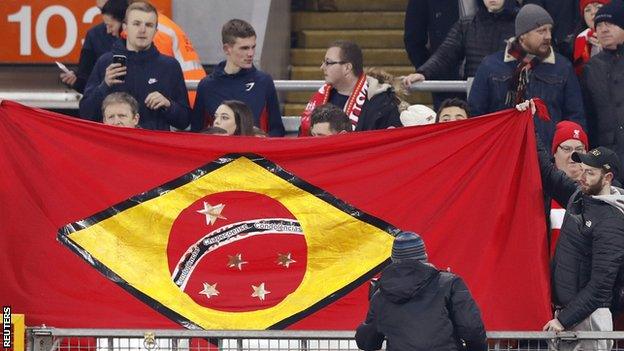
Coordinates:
[155,80]
[236,78]
[529,68]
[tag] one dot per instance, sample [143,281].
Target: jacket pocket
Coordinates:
[548,87]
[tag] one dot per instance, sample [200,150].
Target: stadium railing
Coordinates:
[54,339]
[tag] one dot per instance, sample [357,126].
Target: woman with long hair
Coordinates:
[235,117]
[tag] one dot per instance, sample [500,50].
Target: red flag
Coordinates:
[470,188]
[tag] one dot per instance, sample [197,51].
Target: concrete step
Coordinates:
[314,73]
[347,20]
[372,57]
[364,38]
[293,109]
[360,5]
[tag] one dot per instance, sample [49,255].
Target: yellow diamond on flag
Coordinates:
[162,248]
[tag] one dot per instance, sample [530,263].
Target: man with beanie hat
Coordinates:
[603,81]
[569,138]
[416,307]
[529,68]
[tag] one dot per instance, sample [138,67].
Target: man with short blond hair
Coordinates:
[155,80]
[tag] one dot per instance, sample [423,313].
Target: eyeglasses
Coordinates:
[329,63]
[570,149]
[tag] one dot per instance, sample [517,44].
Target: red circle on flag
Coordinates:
[237,251]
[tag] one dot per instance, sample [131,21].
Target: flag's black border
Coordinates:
[65,231]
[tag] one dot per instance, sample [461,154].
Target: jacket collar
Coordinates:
[509,58]
[219,71]
[119,47]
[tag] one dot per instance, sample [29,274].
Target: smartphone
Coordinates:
[121,59]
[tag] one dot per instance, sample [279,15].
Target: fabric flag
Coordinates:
[108,227]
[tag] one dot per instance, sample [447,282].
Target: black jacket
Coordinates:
[590,249]
[603,91]
[420,308]
[426,24]
[381,109]
[148,71]
[96,43]
[472,38]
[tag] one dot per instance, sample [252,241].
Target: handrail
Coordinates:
[68,99]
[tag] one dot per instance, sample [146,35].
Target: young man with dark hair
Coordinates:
[452,110]
[369,103]
[236,78]
[153,79]
[329,119]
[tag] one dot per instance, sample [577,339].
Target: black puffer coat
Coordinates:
[420,308]
[603,90]
[590,249]
[472,38]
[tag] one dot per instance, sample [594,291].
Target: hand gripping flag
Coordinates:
[107,227]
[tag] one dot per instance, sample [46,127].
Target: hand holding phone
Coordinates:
[116,71]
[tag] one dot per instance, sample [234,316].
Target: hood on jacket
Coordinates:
[615,199]
[510,8]
[402,281]
[219,71]
[376,87]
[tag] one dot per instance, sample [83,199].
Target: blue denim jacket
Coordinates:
[553,81]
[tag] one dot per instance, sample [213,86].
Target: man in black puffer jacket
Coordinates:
[418,307]
[471,38]
[590,250]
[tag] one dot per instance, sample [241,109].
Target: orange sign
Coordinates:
[44,31]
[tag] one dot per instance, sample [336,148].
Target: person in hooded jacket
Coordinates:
[471,38]
[417,307]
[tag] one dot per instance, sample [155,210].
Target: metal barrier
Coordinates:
[53,339]
[68,99]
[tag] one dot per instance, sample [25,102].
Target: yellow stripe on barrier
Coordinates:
[19,327]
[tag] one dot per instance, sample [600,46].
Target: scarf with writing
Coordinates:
[352,108]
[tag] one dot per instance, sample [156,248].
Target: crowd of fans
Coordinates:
[567,53]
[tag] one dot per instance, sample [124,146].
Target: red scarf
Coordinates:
[582,50]
[352,108]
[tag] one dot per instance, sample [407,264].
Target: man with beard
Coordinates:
[529,68]
[590,249]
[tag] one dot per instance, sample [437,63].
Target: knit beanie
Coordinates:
[531,16]
[612,13]
[409,245]
[417,115]
[566,130]
[584,3]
